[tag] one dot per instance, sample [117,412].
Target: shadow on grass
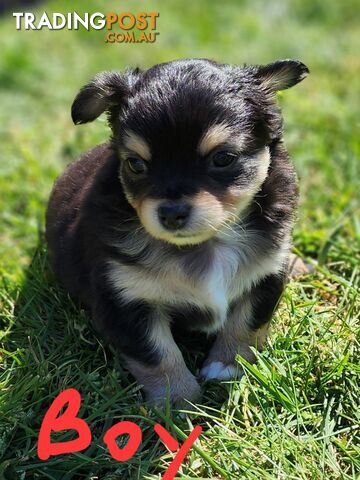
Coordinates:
[51,347]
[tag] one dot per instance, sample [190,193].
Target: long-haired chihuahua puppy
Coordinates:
[183,218]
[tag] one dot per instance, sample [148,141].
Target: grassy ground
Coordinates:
[295,415]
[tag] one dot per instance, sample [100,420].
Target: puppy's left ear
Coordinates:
[106,90]
[281,74]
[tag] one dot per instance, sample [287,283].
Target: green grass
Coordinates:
[295,414]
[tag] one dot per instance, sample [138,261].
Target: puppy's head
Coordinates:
[193,139]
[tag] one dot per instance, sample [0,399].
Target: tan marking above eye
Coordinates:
[220,134]
[137,144]
[214,136]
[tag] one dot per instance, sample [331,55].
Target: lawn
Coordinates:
[295,414]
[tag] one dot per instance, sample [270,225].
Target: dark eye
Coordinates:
[137,165]
[223,159]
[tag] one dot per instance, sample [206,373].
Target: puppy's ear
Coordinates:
[106,90]
[281,74]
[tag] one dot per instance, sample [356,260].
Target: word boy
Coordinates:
[52,421]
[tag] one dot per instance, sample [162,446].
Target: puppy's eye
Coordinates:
[223,159]
[137,165]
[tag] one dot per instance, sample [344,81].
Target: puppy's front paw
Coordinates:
[220,371]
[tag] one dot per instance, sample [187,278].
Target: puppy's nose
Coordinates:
[174,215]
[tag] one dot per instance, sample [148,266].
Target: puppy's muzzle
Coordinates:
[174,215]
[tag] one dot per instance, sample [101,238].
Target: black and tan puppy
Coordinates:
[185,216]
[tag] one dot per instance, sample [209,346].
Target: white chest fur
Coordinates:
[229,272]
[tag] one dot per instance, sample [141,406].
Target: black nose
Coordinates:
[174,215]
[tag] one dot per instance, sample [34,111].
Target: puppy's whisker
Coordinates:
[234,233]
[139,229]
[125,221]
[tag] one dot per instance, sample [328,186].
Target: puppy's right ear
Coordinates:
[106,90]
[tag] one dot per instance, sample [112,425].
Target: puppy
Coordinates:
[183,218]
